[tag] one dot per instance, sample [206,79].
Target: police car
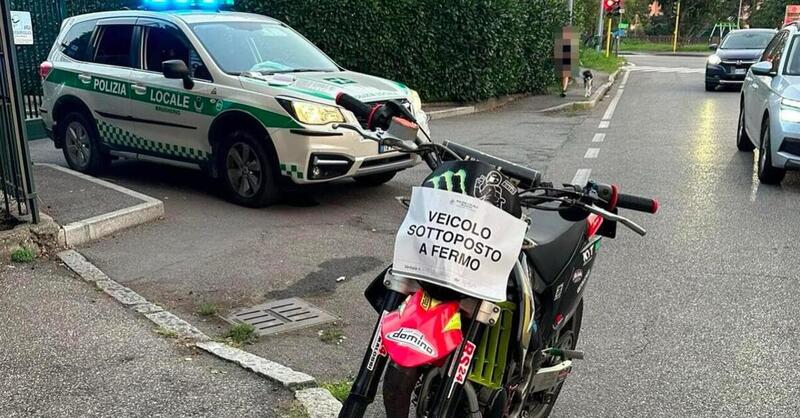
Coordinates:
[242,96]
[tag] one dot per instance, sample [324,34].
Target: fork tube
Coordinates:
[366,384]
[450,391]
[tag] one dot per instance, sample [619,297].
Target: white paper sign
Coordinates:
[22,28]
[458,241]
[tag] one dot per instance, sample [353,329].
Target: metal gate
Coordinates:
[15,164]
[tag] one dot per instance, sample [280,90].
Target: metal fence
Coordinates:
[16,177]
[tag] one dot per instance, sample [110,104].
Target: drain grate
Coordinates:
[282,315]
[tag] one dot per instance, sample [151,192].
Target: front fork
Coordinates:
[372,366]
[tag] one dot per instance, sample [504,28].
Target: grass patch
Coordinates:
[598,61]
[207,309]
[23,255]
[633,45]
[332,335]
[339,389]
[166,332]
[241,334]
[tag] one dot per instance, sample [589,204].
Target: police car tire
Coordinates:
[268,192]
[99,159]
[373,180]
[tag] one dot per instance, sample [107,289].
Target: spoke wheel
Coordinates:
[244,170]
[78,145]
[81,144]
[767,174]
[247,168]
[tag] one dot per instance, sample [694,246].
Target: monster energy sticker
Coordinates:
[458,241]
[449,179]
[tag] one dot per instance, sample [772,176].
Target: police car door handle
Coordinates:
[139,89]
[85,78]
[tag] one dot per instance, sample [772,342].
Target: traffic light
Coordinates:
[612,7]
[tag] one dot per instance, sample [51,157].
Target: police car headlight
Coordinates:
[316,114]
[416,102]
[714,59]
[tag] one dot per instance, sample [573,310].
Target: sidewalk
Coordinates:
[69,350]
[535,103]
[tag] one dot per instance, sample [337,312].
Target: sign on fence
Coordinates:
[792,13]
[22,27]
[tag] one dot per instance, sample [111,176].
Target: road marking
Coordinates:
[679,70]
[599,138]
[613,105]
[604,124]
[592,153]
[582,176]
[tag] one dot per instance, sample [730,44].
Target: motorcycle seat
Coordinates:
[556,242]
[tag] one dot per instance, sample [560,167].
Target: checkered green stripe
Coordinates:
[116,136]
[291,170]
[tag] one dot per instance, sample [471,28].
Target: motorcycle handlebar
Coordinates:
[638,203]
[359,108]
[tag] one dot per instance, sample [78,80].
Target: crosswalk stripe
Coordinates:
[680,70]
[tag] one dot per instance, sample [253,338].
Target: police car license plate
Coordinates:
[385,148]
[740,71]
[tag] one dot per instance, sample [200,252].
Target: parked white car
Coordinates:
[769,116]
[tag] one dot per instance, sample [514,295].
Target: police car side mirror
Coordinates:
[178,70]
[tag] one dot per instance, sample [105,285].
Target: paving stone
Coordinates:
[172,323]
[319,402]
[262,366]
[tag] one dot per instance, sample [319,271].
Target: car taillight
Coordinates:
[45,68]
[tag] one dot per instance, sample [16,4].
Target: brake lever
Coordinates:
[617,218]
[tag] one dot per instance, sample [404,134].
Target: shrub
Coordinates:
[460,50]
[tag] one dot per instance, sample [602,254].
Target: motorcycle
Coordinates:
[501,346]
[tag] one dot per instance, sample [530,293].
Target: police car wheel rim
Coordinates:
[78,144]
[244,170]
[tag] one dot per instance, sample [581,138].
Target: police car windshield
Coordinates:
[268,48]
[747,40]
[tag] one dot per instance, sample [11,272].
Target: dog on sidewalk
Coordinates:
[588,78]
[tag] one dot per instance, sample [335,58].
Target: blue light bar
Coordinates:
[186,4]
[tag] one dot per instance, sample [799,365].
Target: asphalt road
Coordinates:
[695,319]
[698,318]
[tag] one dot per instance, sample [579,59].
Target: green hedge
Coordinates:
[460,50]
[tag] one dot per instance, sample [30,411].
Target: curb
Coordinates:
[587,104]
[81,232]
[318,402]
[486,105]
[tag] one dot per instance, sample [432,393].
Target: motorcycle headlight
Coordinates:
[790,110]
[416,102]
[316,114]
[714,59]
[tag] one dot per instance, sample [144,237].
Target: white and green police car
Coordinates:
[242,96]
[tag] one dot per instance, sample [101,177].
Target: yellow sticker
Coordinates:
[454,323]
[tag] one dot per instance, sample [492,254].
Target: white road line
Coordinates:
[679,70]
[613,105]
[604,124]
[599,138]
[592,153]
[582,176]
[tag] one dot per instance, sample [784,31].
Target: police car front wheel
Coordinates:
[81,145]
[246,171]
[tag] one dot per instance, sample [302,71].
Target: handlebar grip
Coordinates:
[638,203]
[359,108]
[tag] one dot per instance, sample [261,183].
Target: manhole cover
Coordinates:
[282,315]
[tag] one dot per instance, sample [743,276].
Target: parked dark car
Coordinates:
[730,61]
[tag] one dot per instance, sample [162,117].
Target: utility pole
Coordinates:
[570,6]
[677,24]
[600,21]
[738,16]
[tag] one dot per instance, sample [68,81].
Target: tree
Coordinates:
[769,13]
